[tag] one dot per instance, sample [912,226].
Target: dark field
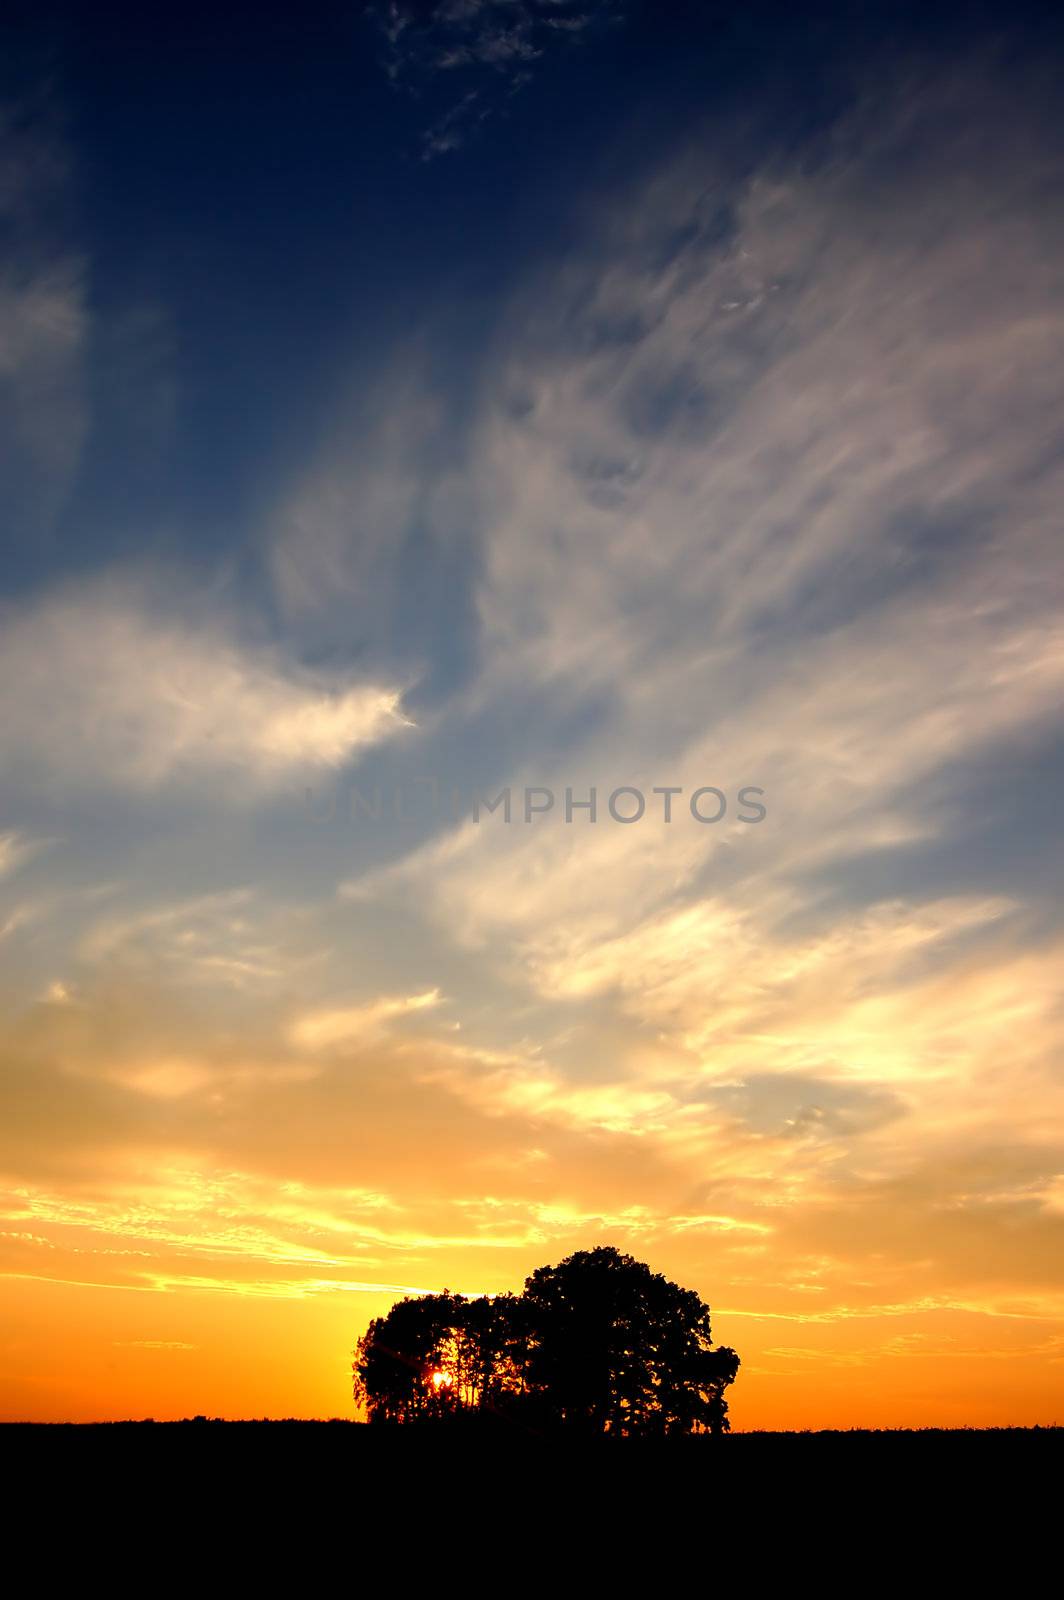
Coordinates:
[770,1496]
[206,1439]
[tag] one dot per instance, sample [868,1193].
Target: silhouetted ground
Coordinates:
[434,1431]
[792,1502]
[358,1436]
[205,1437]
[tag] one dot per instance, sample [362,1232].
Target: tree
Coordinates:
[616,1348]
[399,1355]
[597,1344]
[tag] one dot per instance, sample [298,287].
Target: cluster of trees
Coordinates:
[598,1344]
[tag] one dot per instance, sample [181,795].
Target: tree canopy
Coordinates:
[598,1344]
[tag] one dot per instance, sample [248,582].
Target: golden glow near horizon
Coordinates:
[267,1065]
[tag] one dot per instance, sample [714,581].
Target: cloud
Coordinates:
[790,1105]
[115,691]
[376,527]
[231,937]
[766,483]
[15,849]
[483,42]
[43,321]
[797,410]
[454,127]
[153,1344]
[323,1030]
[446,34]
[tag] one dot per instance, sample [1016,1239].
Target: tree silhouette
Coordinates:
[436,1357]
[616,1348]
[598,1344]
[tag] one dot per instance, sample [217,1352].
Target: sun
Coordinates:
[440,1379]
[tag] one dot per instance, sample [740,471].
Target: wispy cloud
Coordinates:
[794,484]
[43,320]
[113,690]
[15,849]
[481,42]
[323,1030]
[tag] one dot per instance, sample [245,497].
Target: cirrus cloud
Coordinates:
[105,689]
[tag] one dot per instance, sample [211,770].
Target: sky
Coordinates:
[406,406]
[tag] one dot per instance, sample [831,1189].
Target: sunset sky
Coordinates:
[401,403]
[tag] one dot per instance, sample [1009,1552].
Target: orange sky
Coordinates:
[81,1353]
[212,1189]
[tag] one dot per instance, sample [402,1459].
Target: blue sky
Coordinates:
[512,393]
